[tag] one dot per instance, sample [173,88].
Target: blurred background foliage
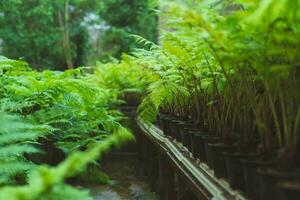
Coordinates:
[65,34]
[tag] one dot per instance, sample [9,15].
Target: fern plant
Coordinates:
[80,111]
[67,110]
[228,63]
[17,139]
[48,182]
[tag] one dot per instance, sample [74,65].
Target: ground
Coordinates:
[125,184]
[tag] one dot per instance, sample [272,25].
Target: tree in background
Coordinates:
[53,33]
[132,17]
[45,33]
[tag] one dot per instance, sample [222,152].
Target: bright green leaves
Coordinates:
[271,10]
[72,110]
[47,182]
[16,139]
[228,63]
[121,78]
[69,102]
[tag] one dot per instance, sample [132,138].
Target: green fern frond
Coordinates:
[10,168]
[144,42]
[44,179]
[16,150]
[15,139]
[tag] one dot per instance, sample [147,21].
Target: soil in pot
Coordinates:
[252,177]
[270,180]
[216,158]
[234,167]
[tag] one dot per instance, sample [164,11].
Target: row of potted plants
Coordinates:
[225,83]
[240,170]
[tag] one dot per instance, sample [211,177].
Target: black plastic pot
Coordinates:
[184,132]
[166,125]
[291,189]
[216,158]
[184,127]
[234,167]
[174,129]
[197,144]
[270,180]
[193,137]
[160,120]
[185,137]
[252,182]
[208,139]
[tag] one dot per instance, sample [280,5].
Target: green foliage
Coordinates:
[47,182]
[92,175]
[16,140]
[34,31]
[79,111]
[57,32]
[42,110]
[121,77]
[133,17]
[232,67]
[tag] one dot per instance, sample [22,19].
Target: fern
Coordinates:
[70,110]
[67,103]
[47,182]
[16,138]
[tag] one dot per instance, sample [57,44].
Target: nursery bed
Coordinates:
[196,175]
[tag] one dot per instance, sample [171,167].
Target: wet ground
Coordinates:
[125,184]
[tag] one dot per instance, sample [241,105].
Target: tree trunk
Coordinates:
[64,25]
